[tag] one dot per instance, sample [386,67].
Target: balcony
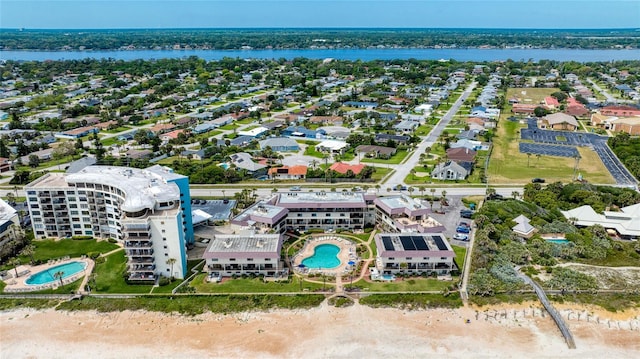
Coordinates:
[142,268]
[132,245]
[140,252]
[142,276]
[138,260]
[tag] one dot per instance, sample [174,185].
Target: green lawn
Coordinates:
[406,285]
[246,121]
[423,130]
[109,276]
[460,255]
[380,173]
[508,166]
[110,141]
[117,129]
[50,249]
[311,151]
[254,285]
[395,159]
[229,127]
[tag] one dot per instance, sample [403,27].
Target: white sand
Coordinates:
[324,332]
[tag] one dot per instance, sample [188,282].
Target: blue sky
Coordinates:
[99,14]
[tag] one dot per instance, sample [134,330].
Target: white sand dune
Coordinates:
[324,332]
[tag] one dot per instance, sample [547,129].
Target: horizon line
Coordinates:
[316,28]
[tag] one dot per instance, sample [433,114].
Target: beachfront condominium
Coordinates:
[9,223]
[303,211]
[402,213]
[245,253]
[414,253]
[147,210]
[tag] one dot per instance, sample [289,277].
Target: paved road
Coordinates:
[404,169]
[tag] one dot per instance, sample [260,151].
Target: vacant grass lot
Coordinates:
[50,249]
[407,285]
[508,166]
[255,285]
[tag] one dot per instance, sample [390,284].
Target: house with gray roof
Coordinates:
[245,161]
[280,144]
[449,170]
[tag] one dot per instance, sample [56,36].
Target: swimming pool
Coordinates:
[46,276]
[224,165]
[324,256]
[557,240]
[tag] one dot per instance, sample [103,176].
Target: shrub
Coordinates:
[164,281]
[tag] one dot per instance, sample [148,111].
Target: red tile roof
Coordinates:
[343,168]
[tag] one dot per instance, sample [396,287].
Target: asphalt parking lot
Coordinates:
[451,218]
[548,150]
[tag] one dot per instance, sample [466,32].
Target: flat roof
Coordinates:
[260,212]
[142,188]
[413,244]
[228,245]
[402,204]
[322,199]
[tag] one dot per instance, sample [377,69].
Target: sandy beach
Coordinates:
[325,332]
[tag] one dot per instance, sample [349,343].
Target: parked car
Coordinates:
[295,188]
[537,180]
[463,229]
[461,237]
[466,213]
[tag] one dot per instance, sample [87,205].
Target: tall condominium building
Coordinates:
[148,210]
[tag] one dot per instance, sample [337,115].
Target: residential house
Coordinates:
[523,228]
[383,138]
[204,127]
[172,135]
[373,151]
[43,155]
[625,223]
[160,128]
[280,144]
[461,154]
[332,146]
[449,170]
[551,102]
[256,132]
[239,141]
[197,155]
[243,160]
[361,104]
[77,132]
[136,154]
[344,168]
[406,126]
[301,131]
[288,173]
[5,165]
[470,144]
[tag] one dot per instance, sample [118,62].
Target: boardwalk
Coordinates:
[564,329]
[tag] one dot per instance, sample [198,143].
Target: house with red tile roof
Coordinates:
[159,128]
[343,168]
[286,172]
[523,108]
[551,102]
[171,135]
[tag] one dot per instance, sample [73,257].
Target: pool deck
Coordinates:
[347,253]
[19,285]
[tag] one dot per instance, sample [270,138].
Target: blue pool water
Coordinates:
[557,240]
[224,165]
[324,256]
[46,276]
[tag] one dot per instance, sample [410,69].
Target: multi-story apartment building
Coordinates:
[414,253]
[308,210]
[9,223]
[401,213]
[245,253]
[147,210]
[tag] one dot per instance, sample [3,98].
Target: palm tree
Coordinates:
[171,262]
[377,188]
[14,262]
[528,158]
[29,251]
[58,275]
[314,163]
[413,174]
[443,199]
[274,190]
[515,194]
[411,189]
[421,189]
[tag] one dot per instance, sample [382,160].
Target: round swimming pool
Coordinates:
[324,256]
[47,276]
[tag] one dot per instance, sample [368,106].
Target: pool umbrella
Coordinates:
[351,263]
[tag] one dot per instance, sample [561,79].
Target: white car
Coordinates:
[461,237]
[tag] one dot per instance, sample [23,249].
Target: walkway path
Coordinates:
[564,329]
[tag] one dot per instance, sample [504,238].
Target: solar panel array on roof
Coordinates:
[407,243]
[440,243]
[386,241]
[421,245]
